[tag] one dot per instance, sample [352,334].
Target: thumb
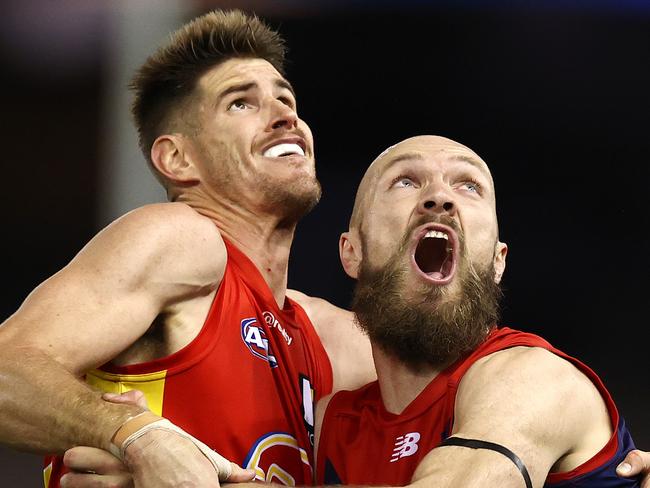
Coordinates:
[634,463]
[239,474]
[132,397]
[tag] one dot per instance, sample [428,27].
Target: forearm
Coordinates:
[45,409]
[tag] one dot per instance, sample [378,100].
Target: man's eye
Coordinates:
[472,186]
[403,182]
[237,105]
[287,101]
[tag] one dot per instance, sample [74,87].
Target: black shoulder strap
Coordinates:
[476,444]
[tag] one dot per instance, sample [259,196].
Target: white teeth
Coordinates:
[436,234]
[283,149]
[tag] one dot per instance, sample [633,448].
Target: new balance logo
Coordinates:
[405,445]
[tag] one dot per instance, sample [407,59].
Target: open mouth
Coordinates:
[284,149]
[435,254]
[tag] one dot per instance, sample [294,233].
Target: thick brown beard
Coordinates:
[435,330]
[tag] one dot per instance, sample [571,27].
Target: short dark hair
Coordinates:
[166,81]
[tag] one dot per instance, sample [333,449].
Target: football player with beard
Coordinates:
[460,400]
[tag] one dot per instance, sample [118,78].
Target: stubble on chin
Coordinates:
[293,199]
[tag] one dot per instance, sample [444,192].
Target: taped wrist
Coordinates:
[137,426]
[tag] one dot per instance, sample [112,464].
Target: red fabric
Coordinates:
[223,389]
[367,445]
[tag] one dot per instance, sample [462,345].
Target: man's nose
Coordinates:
[437,202]
[282,116]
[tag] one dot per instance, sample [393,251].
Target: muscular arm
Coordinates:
[513,411]
[347,346]
[140,266]
[529,401]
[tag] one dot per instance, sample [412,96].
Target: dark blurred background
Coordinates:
[553,95]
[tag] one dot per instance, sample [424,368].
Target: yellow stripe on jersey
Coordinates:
[47,472]
[151,384]
[275,471]
[274,440]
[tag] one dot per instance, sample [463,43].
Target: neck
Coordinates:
[265,239]
[400,385]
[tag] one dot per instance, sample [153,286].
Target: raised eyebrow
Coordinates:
[410,156]
[282,83]
[477,163]
[240,87]
[244,87]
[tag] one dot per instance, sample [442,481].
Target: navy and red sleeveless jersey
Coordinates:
[245,386]
[363,444]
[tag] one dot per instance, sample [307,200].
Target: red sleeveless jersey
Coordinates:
[245,386]
[363,444]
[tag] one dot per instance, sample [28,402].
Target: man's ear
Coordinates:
[172,159]
[500,252]
[350,252]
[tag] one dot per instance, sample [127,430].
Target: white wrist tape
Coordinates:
[221,465]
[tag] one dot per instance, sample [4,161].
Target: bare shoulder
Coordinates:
[318,308]
[168,215]
[531,377]
[527,369]
[173,223]
[168,237]
[347,346]
[535,399]
[143,264]
[530,401]
[329,320]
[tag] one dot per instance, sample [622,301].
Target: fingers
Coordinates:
[636,462]
[239,475]
[132,397]
[84,459]
[77,480]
